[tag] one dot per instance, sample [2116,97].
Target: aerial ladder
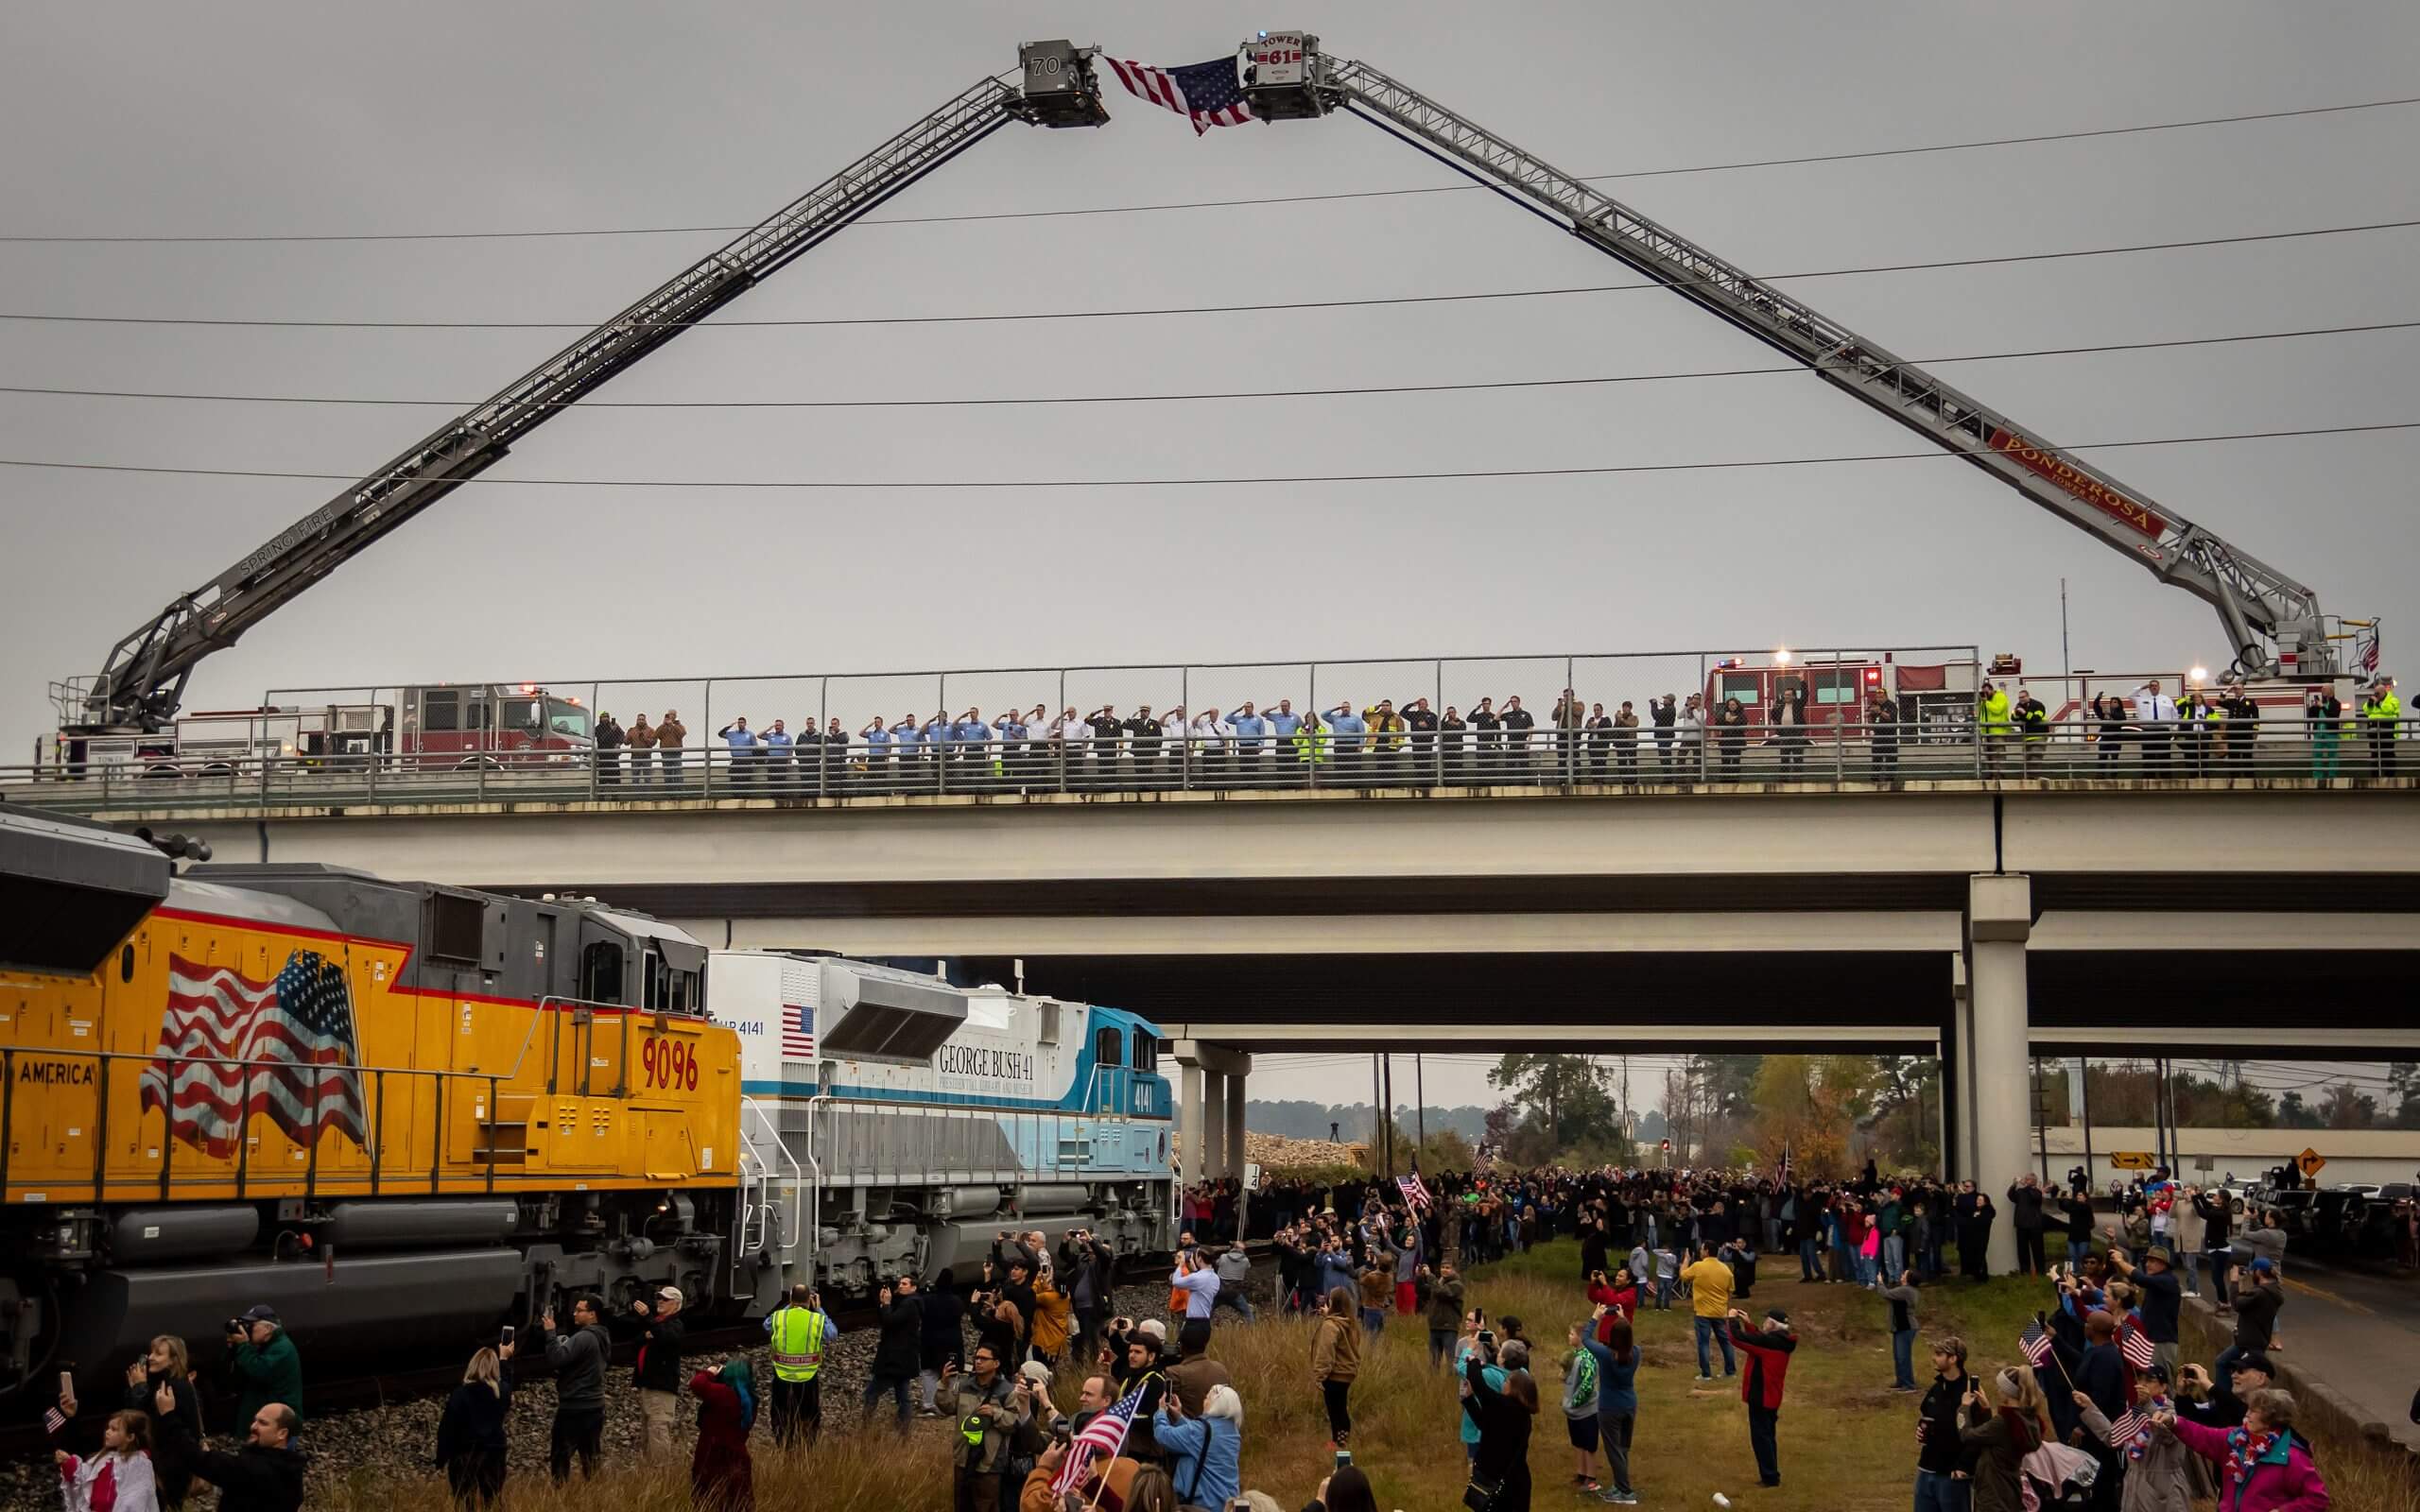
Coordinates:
[141,681]
[2273,623]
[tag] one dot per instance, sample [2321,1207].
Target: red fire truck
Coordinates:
[434,726]
[1940,694]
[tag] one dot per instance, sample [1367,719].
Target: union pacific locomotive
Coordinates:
[405,1113]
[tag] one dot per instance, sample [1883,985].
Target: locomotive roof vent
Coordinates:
[881,1018]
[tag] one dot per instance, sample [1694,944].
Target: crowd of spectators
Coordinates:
[1673,737]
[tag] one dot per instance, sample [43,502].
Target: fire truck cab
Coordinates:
[435,725]
[1835,688]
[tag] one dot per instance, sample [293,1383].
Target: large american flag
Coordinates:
[297,1031]
[1104,1435]
[1209,93]
[798,1032]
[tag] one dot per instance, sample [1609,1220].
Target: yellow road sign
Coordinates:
[2133,1159]
[2310,1162]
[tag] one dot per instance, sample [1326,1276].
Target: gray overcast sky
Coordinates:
[307,118]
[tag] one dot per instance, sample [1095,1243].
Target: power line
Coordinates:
[1262,200]
[990,485]
[1163,399]
[1203,309]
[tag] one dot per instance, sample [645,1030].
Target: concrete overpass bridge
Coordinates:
[1988,921]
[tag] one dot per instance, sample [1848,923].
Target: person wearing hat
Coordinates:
[264,1363]
[1767,1350]
[657,1374]
[2219,1402]
[2163,1298]
[2158,1468]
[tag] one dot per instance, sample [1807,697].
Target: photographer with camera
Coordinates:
[900,1349]
[992,1417]
[1086,1269]
[264,1363]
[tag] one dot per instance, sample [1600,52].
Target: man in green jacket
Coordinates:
[1993,722]
[264,1364]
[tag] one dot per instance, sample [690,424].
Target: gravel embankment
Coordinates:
[399,1441]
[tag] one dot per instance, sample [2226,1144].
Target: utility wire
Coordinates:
[988,485]
[1216,394]
[1202,309]
[1264,199]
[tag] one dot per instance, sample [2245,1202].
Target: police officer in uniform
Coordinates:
[798,1333]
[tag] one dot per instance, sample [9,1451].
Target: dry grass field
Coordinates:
[1848,1443]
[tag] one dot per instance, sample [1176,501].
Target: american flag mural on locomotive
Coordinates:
[230,1047]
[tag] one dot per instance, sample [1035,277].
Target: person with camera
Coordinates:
[1088,1268]
[1204,1448]
[165,1363]
[471,1443]
[263,1361]
[991,1415]
[265,1475]
[799,1333]
[897,1354]
[657,1372]
[1335,1361]
[578,1361]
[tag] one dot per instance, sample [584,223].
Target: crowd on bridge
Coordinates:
[1673,737]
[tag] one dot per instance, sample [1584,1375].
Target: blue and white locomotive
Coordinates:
[897,1122]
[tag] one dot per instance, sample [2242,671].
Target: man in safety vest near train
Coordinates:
[798,1333]
[2379,713]
[1991,720]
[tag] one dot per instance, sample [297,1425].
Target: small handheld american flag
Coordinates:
[53,1419]
[2135,1345]
[1415,1190]
[2129,1425]
[2035,1342]
[1104,1435]
[1208,94]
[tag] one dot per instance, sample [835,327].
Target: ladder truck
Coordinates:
[142,680]
[2273,624]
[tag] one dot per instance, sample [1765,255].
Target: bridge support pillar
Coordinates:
[1210,1108]
[1189,1121]
[1214,1124]
[1995,1048]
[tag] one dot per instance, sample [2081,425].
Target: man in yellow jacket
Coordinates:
[1994,723]
[1709,1282]
[2380,712]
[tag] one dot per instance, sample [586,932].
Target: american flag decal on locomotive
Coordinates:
[296,1031]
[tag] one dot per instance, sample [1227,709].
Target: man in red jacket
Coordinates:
[1767,1351]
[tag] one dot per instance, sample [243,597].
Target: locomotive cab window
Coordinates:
[688,999]
[1108,1048]
[600,973]
[455,926]
[1146,1052]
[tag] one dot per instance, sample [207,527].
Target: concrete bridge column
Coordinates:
[1999,920]
[1235,1153]
[1209,1131]
[1214,1124]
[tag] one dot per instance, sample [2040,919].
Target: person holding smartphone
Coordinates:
[471,1443]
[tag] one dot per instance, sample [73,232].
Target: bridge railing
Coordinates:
[1724,753]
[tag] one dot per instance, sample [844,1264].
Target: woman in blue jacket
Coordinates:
[1205,1454]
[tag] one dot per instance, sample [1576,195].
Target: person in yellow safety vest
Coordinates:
[799,1332]
[1311,740]
[2380,711]
[1992,719]
[2034,720]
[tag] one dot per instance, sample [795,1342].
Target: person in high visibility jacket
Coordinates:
[800,1333]
[2034,723]
[1991,721]
[2380,711]
[1310,742]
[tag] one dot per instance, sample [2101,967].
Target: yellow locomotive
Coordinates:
[400,1113]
